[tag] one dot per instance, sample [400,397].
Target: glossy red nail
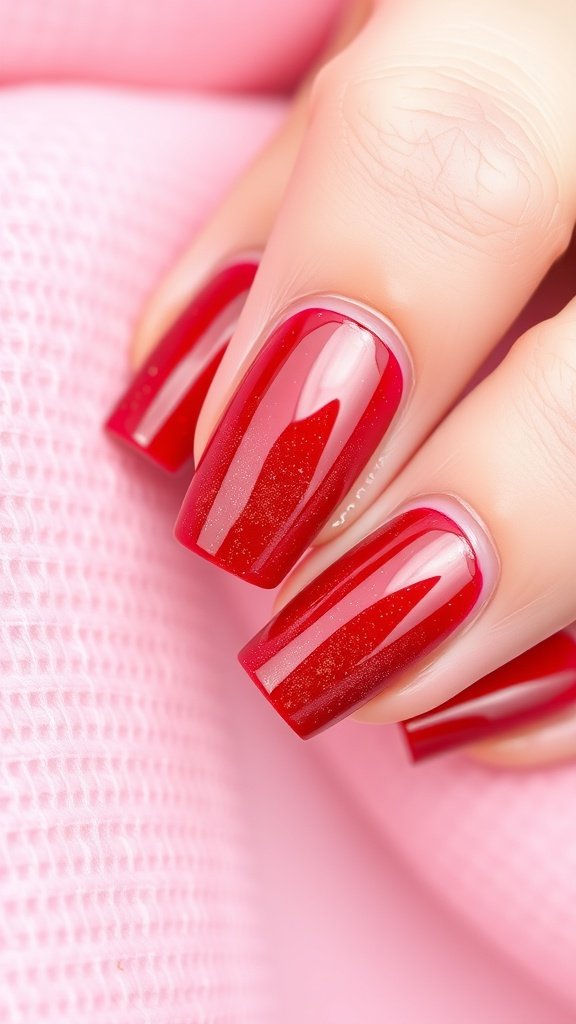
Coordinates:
[540,682]
[157,414]
[301,426]
[389,601]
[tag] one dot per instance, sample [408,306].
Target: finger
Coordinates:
[191,316]
[416,192]
[513,712]
[157,414]
[243,219]
[546,743]
[551,297]
[241,223]
[188,321]
[371,623]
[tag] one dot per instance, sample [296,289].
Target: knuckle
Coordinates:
[450,153]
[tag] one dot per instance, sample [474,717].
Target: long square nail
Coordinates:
[157,414]
[302,425]
[388,602]
[538,683]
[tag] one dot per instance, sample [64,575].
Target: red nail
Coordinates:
[540,682]
[301,426]
[157,414]
[389,601]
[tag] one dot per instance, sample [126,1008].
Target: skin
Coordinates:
[428,169]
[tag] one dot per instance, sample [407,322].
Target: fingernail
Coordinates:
[392,599]
[157,414]
[301,426]
[540,682]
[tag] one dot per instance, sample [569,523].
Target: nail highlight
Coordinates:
[392,599]
[157,414]
[303,423]
[540,682]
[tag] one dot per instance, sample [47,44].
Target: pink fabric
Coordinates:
[171,854]
[207,44]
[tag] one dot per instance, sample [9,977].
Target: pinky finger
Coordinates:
[549,742]
[521,715]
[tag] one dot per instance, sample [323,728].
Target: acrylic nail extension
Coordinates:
[157,415]
[539,683]
[303,423]
[392,599]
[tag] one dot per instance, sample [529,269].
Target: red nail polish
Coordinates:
[301,426]
[389,601]
[157,414]
[540,682]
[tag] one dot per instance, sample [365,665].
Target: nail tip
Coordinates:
[119,436]
[185,537]
[244,662]
[110,425]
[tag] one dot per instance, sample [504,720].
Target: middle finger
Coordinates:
[435,184]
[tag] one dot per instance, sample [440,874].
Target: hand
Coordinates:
[423,185]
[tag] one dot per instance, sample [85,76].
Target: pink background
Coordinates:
[171,854]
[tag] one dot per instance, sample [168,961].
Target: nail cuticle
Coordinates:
[479,536]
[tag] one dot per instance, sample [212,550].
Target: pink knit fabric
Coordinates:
[207,44]
[171,854]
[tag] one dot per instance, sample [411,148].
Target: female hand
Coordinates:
[423,185]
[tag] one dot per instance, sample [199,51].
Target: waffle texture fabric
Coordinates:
[170,853]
